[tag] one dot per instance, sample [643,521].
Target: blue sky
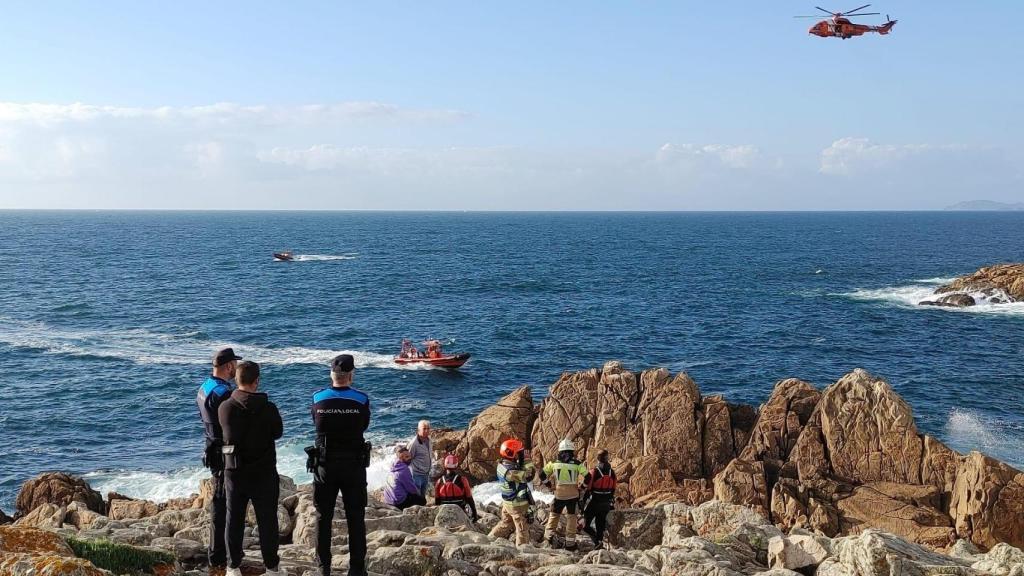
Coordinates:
[567,105]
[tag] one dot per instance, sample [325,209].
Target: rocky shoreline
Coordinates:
[998,284]
[834,482]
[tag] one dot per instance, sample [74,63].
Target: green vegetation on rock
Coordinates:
[119,558]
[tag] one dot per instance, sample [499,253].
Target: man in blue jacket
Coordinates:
[341,414]
[215,390]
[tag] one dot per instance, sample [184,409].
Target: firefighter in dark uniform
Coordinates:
[339,460]
[215,390]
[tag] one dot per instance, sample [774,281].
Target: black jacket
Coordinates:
[251,423]
[340,416]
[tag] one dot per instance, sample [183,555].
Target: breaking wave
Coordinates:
[142,346]
[291,462]
[162,486]
[923,290]
[965,430]
[969,430]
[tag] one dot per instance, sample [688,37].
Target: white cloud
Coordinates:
[868,175]
[858,156]
[374,155]
[208,157]
[50,115]
[742,156]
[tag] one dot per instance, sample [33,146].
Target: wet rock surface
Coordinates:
[999,284]
[59,489]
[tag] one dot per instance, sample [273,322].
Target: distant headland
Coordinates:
[987,205]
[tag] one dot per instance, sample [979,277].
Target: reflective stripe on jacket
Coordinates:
[514,481]
[565,473]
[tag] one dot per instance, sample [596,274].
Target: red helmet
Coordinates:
[510,448]
[451,462]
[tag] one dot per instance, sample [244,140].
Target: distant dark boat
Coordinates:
[284,256]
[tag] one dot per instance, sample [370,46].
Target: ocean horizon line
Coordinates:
[485,211]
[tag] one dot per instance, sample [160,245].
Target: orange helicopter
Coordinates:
[841,27]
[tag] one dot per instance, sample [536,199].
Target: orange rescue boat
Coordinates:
[433,355]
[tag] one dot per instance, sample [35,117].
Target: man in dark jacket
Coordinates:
[251,424]
[599,495]
[215,390]
[341,414]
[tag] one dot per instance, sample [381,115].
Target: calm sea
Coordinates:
[108,319]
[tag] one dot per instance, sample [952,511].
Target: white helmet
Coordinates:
[566,446]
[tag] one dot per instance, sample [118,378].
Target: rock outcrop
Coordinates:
[665,440]
[749,479]
[852,459]
[32,552]
[836,482]
[477,448]
[987,504]
[951,301]
[997,284]
[59,489]
[715,538]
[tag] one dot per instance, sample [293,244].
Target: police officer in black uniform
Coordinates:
[341,415]
[215,390]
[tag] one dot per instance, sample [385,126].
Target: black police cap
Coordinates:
[343,364]
[225,355]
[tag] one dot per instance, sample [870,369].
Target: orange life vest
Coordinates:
[450,489]
[601,483]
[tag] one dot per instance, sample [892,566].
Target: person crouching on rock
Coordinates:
[399,489]
[453,488]
[599,496]
[514,475]
[251,423]
[565,473]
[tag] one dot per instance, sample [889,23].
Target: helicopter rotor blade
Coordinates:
[825,11]
[861,14]
[848,12]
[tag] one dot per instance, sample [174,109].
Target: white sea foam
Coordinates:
[145,347]
[490,493]
[183,482]
[969,430]
[291,462]
[324,257]
[923,290]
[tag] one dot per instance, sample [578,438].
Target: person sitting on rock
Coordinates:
[565,473]
[453,488]
[399,489]
[599,498]
[514,474]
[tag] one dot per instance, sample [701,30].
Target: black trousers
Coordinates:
[560,506]
[217,552]
[349,478]
[410,501]
[261,487]
[597,513]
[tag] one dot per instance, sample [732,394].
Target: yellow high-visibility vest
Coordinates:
[565,472]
